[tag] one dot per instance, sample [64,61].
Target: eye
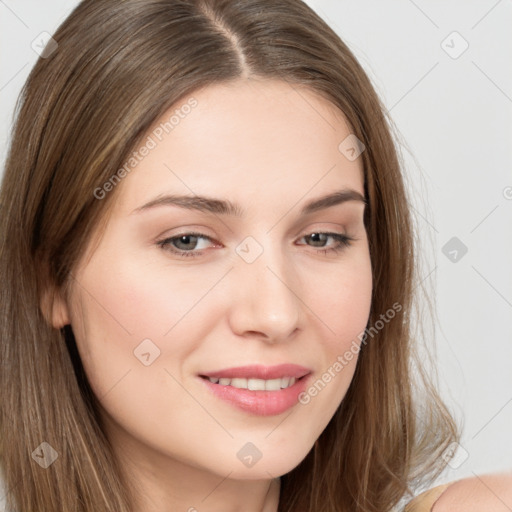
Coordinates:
[186,244]
[319,239]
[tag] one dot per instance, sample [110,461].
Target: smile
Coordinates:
[258,390]
[255,384]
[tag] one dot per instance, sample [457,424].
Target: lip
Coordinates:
[260,403]
[256,371]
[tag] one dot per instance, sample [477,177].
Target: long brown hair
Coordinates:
[117,67]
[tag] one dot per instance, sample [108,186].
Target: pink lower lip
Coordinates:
[262,403]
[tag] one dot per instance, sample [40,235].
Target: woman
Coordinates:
[208,272]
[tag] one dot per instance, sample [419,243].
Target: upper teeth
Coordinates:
[255,384]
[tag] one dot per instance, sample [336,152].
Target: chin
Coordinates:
[276,465]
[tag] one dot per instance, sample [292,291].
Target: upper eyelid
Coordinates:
[339,225]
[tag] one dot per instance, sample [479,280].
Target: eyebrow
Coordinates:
[226,207]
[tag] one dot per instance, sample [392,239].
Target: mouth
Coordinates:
[259,390]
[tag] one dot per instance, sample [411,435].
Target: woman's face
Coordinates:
[266,279]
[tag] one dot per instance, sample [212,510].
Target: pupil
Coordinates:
[187,240]
[317,238]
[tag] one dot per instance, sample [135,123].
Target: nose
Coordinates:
[266,298]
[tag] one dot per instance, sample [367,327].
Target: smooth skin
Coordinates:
[486,493]
[270,148]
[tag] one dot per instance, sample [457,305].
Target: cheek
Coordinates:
[134,320]
[144,298]
[347,309]
[341,299]
[132,368]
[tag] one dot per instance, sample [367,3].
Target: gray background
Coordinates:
[452,110]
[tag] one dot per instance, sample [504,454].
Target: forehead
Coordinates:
[250,139]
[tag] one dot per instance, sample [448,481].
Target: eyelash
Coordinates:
[342,241]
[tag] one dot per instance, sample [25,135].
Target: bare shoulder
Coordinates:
[486,493]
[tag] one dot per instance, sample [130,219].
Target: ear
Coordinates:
[54,307]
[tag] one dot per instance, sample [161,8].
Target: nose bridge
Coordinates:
[266,301]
